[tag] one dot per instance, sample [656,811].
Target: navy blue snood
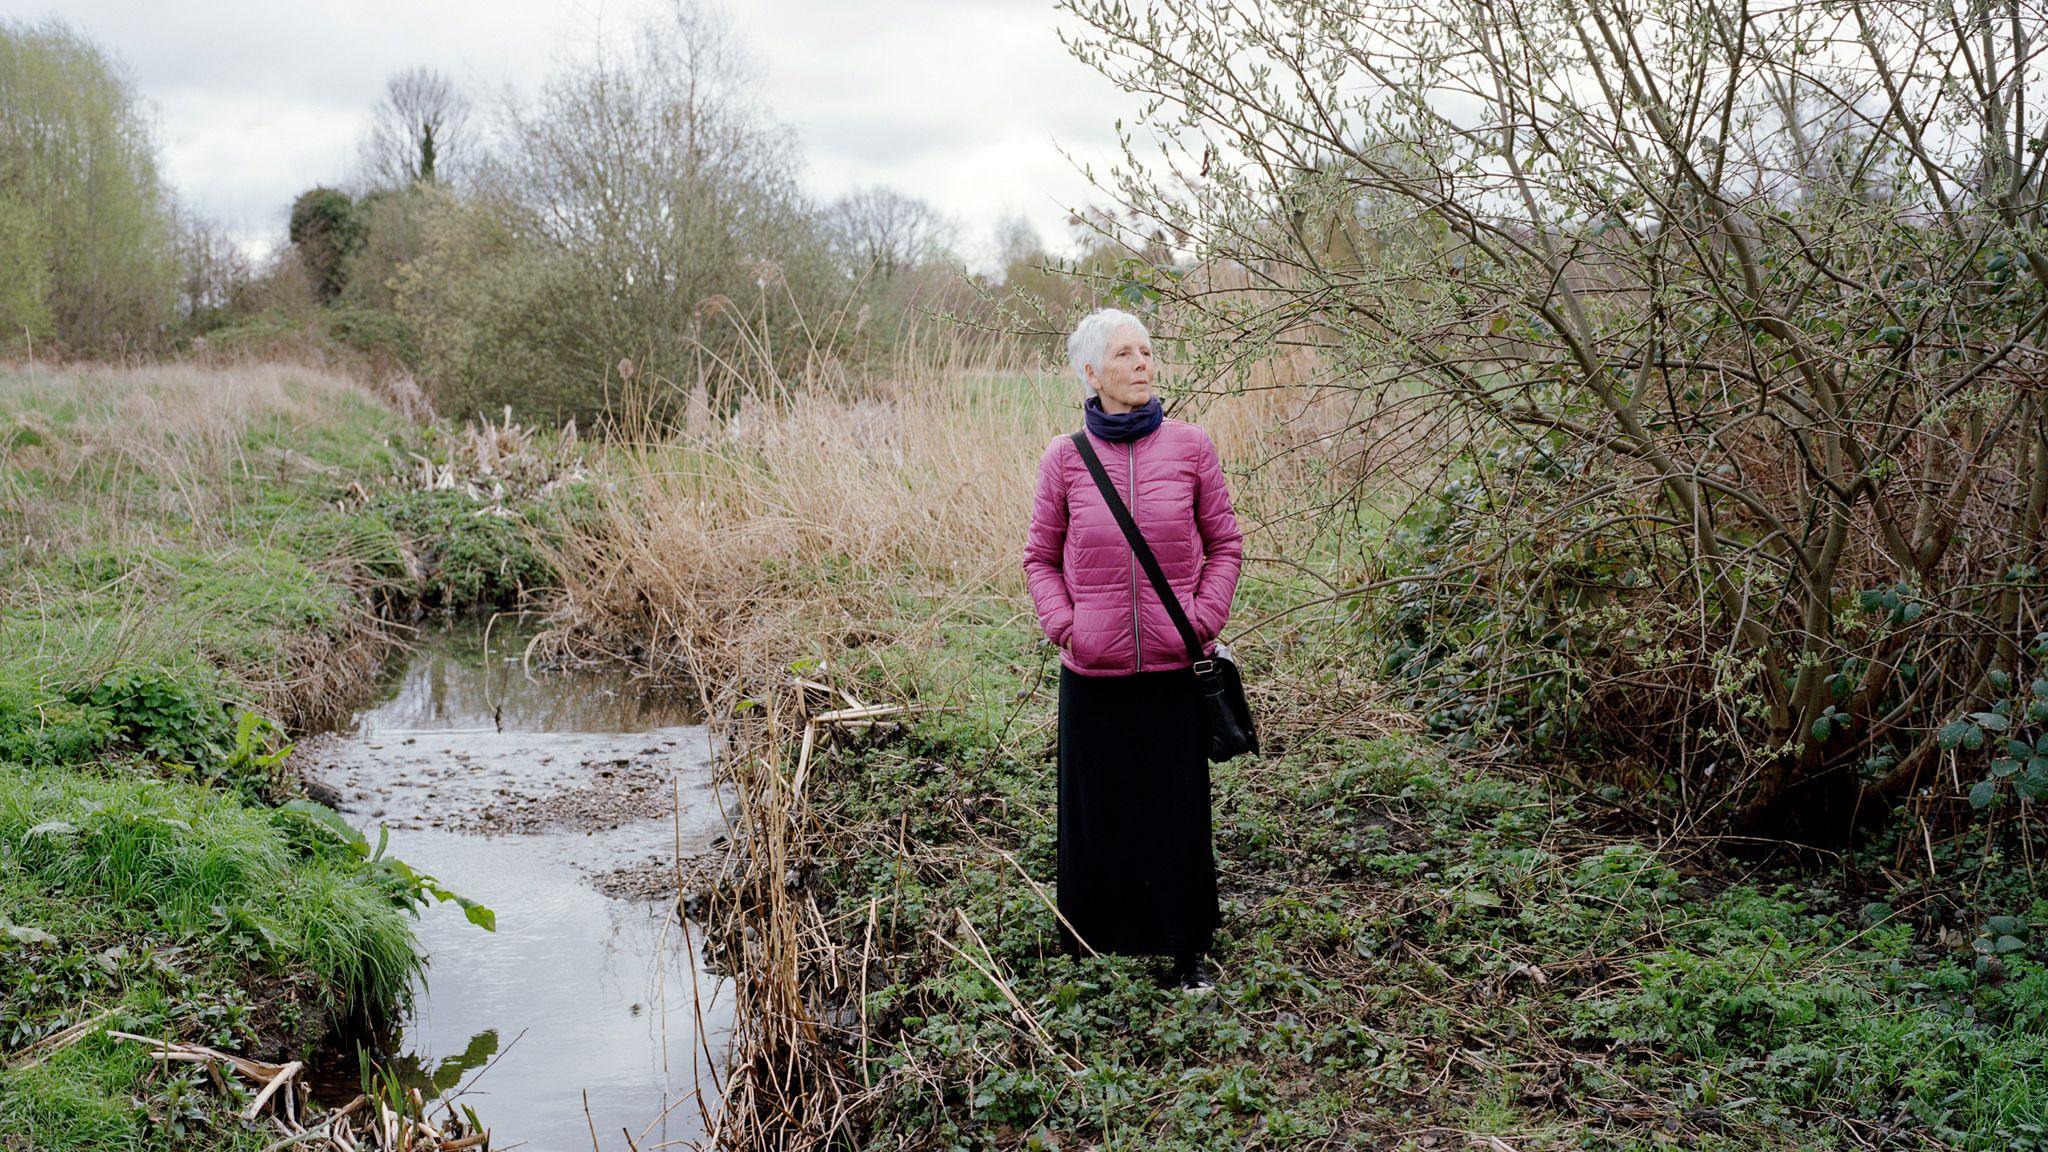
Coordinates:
[1121,426]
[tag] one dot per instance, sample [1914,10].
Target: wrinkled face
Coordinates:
[1124,378]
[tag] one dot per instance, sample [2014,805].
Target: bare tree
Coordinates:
[1017,239]
[1733,312]
[215,275]
[643,205]
[880,231]
[419,132]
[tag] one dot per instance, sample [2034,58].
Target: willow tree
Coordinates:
[1741,304]
[85,223]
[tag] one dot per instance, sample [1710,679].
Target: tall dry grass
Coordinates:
[128,471]
[150,448]
[818,539]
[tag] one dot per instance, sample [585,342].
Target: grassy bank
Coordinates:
[1417,951]
[200,562]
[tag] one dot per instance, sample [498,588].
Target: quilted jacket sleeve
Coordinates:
[1045,547]
[1222,543]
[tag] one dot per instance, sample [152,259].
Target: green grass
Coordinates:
[1410,946]
[168,903]
[203,555]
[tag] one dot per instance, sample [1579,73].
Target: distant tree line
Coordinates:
[640,206]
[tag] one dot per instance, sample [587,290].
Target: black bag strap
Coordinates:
[1144,553]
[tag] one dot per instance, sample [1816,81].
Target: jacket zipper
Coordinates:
[1131,470]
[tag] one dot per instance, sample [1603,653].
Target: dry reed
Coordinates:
[811,541]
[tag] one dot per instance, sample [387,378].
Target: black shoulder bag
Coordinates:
[1225,715]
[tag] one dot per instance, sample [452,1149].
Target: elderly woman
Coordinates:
[1137,874]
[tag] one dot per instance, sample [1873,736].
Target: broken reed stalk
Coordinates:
[384,1131]
[282,1078]
[988,970]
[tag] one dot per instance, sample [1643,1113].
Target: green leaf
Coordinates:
[2004,926]
[1990,720]
[327,819]
[1822,728]
[1983,793]
[2004,766]
[477,914]
[2006,944]
[2019,748]
[1952,733]
[2001,680]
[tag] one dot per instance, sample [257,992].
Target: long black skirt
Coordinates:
[1137,873]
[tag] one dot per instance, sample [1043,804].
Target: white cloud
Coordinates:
[958,103]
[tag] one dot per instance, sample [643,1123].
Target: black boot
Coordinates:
[1191,973]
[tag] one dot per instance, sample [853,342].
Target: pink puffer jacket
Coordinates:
[1092,595]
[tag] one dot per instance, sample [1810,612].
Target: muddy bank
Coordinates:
[569,801]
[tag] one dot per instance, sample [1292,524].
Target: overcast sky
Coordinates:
[962,102]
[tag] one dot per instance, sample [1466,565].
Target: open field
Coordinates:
[1637,416]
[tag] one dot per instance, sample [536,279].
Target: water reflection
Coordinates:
[575,992]
[475,675]
[441,1078]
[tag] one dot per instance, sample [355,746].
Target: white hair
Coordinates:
[1090,340]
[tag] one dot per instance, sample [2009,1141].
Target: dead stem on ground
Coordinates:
[364,1124]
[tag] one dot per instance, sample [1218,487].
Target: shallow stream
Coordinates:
[574,804]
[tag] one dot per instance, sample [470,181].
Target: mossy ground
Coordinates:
[1417,951]
[200,560]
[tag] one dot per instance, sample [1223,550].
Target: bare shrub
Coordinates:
[1730,317]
